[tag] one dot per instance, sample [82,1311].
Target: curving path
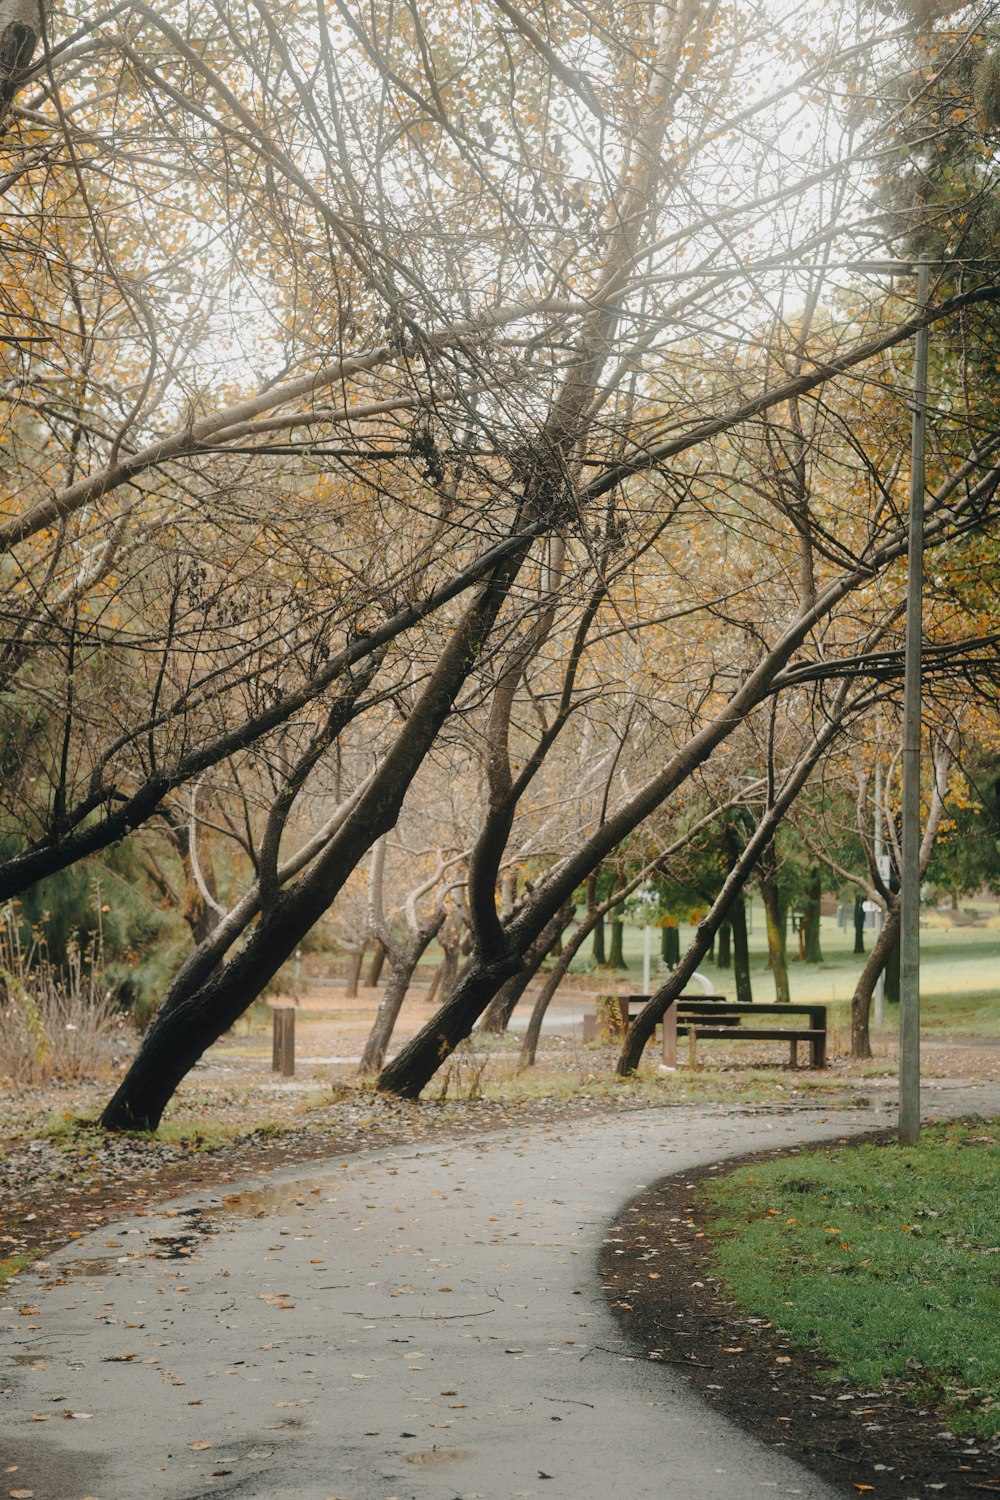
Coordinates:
[418,1323]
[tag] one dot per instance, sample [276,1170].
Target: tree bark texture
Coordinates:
[504,1003]
[885,945]
[397,983]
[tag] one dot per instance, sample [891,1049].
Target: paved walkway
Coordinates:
[420,1323]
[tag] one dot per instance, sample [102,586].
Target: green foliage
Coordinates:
[104,905]
[882,1258]
[967,852]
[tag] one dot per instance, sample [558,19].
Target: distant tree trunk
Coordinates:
[886,944]
[616,957]
[741,951]
[598,951]
[724,952]
[354,973]
[375,966]
[859,924]
[398,982]
[502,1006]
[447,973]
[812,952]
[534,1030]
[670,946]
[892,972]
[434,985]
[776,922]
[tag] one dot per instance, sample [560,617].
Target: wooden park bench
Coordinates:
[715,1016]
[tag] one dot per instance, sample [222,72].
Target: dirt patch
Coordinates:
[656,1271]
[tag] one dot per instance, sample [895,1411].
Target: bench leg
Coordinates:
[670,1037]
[818,1048]
[793,1052]
[692,1047]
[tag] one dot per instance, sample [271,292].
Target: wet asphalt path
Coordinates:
[422,1324]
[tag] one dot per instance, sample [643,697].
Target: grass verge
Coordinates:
[882,1258]
[10,1265]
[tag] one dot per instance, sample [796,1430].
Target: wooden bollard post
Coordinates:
[670,1035]
[283,1041]
[692,1045]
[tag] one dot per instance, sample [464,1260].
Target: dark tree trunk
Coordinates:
[504,1002]
[411,1070]
[570,949]
[859,924]
[741,951]
[616,957]
[884,946]
[414,1065]
[354,974]
[812,952]
[194,1016]
[375,967]
[776,922]
[598,950]
[724,956]
[670,946]
[396,986]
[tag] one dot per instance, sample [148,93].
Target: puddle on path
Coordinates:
[256,1203]
[436,1456]
[98,1267]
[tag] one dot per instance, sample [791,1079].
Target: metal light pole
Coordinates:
[909,893]
[879,865]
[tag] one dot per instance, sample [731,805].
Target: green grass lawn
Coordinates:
[884,1259]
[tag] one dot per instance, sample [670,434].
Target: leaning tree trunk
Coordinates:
[398,982]
[885,945]
[192,1017]
[504,1003]
[530,1044]
[645,1023]
[414,1065]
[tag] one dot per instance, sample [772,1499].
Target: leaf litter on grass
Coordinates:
[882,1258]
